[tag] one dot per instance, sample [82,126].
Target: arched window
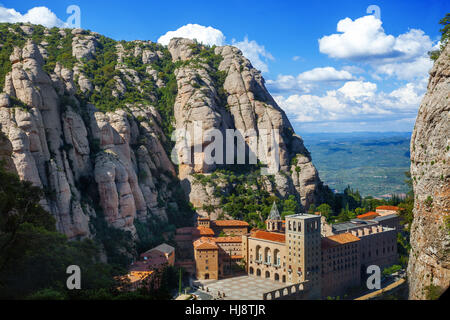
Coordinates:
[267,274]
[267,255]
[276,257]
[258,253]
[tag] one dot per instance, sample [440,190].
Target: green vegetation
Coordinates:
[445,35]
[433,292]
[392,269]
[247,200]
[9,40]
[429,202]
[31,246]
[347,205]
[59,48]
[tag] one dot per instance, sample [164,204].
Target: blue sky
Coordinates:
[329,64]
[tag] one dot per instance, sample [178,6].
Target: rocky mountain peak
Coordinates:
[429,262]
[90,120]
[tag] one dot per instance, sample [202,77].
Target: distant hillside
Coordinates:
[373,163]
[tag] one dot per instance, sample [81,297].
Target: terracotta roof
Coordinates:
[228,239]
[136,276]
[338,239]
[205,243]
[230,223]
[203,218]
[237,257]
[368,215]
[388,208]
[271,236]
[206,246]
[204,231]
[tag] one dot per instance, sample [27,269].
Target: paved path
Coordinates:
[381,291]
[242,288]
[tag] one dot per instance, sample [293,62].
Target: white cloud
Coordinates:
[360,39]
[325,74]
[357,89]
[206,35]
[406,70]
[36,15]
[355,102]
[306,81]
[255,52]
[364,40]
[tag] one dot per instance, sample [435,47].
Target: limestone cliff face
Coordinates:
[429,261]
[52,143]
[93,133]
[245,106]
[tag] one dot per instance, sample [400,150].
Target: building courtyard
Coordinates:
[241,287]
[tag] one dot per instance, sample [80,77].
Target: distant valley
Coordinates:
[372,162]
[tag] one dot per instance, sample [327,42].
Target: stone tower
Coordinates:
[303,244]
[274,222]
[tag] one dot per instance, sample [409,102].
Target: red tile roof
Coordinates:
[228,239]
[368,215]
[205,243]
[388,208]
[271,236]
[338,239]
[203,231]
[230,223]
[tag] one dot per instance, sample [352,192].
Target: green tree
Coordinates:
[325,210]
[33,255]
[445,34]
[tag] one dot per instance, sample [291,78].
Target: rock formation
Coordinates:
[88,119]
[429,261]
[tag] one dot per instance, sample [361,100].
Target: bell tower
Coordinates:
[274,222]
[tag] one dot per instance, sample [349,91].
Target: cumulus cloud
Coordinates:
[355,102]
[205,35]
[255,52]
[306,81]
[36,15]
[364,40]
[406,70]
[357,89]
[325,74]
